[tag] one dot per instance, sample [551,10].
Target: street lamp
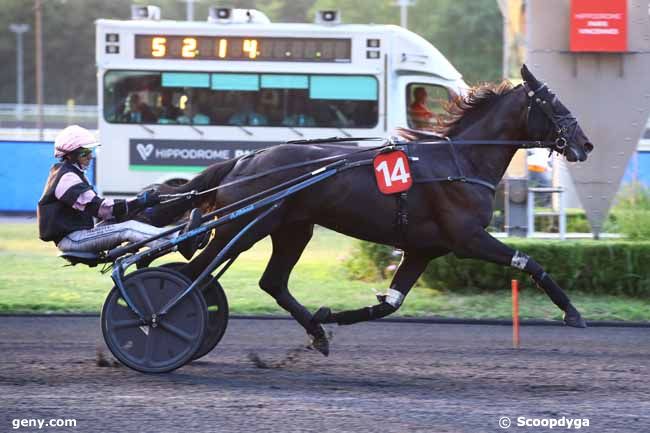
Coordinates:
[19,29]
[403,11]
[189,8]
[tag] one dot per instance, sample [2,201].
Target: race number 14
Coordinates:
[392,172]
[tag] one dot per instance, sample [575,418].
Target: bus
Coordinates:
[177,96]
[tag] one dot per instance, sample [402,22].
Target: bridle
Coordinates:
[565,126]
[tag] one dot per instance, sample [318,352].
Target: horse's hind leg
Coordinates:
[224,234]
[289,242]
[485,247]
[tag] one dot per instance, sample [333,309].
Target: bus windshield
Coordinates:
[241,99]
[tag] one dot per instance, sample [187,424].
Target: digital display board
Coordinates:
[242,48]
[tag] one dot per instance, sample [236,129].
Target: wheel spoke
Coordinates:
[174,330]
[127,323]
[149,346]
[145,297]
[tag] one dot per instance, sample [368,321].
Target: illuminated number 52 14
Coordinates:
[158,47]
[189,48]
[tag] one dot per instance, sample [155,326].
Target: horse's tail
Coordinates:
[206,180]
[166,214]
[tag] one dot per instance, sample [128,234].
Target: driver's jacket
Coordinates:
[69,203]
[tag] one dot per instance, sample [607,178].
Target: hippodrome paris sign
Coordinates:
[607,90]
[599,25]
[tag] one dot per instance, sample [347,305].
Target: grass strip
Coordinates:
[34,279]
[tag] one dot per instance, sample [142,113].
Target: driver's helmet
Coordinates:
[72,138]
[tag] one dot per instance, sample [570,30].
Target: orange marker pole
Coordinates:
[515,313]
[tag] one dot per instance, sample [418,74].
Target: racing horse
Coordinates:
[446,215]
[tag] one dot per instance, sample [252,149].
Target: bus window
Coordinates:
[246,99]
[344,101]
[425,103]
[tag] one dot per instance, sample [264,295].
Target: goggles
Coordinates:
[85,152]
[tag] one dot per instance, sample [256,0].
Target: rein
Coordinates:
[193,194]
[170,198]
[565,130]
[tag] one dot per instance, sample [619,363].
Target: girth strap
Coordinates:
[402,214]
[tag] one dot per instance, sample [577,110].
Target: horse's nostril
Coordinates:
[588,147]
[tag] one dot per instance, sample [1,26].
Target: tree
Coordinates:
[468,32]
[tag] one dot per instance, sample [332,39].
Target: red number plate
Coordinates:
[392,172]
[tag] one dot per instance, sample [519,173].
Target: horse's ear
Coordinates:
[529,77]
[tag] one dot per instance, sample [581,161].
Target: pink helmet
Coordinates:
[72,138]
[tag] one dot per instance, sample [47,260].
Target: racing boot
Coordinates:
[573,318]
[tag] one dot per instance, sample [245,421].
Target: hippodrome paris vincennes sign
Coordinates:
[599,25]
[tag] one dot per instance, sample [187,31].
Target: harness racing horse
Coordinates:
[448,215]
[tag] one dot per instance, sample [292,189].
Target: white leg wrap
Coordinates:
[394,298]
[519,260]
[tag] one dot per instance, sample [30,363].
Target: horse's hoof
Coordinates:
[575,320]
[322,315]
[321,344]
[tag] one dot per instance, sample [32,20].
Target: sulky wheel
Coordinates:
[217,303]
[152,346]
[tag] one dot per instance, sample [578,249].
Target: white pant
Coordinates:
[106,236]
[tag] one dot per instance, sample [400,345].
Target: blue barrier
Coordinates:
[638,169]
[24,166]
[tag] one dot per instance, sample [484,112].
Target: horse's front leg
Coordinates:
[409,270]
[485,247]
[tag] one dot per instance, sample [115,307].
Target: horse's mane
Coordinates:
[460,106]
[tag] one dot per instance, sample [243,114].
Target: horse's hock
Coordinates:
[608,91]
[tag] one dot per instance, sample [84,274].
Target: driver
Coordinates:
[69,204]
[418,110]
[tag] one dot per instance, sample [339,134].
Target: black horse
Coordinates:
[443,216]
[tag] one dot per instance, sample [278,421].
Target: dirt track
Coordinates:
[389,377]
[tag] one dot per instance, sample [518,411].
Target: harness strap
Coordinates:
[454,156]
[402,214]
[464,179]
[536,144]
[461,176]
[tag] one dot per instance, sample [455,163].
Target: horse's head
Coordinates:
[549,120]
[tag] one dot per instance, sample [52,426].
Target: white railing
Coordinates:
[560,213]
[29,110]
